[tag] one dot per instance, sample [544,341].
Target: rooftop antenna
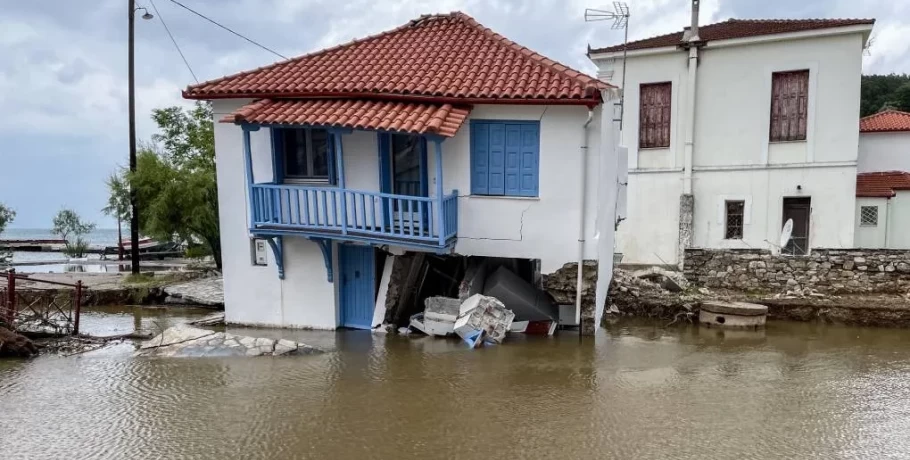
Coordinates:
[620,18]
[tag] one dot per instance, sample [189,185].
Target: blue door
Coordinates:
[357,285]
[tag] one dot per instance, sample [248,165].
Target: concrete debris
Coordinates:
[669,280]
[207,292]
[483,318]
[187,341]
[438,317]
[215,319]
[800,293]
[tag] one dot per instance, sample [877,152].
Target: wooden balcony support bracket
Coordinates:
[276,242]
[326,246]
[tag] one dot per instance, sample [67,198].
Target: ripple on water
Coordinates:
[645,392]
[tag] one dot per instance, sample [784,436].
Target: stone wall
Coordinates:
[825,270]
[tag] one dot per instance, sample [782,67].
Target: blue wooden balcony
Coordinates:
[354,215]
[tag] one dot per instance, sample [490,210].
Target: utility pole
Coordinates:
[134,205]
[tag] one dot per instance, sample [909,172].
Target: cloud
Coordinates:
[63,73]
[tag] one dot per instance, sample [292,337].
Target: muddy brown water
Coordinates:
[796,390]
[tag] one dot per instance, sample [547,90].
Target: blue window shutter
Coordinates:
[333,177]
[512,158]
[385,162]
[530,160]
[480,158]
[497,162]
[277,155]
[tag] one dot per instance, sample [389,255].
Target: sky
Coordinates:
[63,66]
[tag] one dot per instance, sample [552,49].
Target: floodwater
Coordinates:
[640,390]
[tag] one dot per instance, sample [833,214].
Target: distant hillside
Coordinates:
[880,91]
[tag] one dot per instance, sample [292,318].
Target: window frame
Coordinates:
[742,221]
[526,193]
[666,123]
[802,107]
[862,223]
[280,157]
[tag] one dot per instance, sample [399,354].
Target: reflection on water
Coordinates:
[640,391]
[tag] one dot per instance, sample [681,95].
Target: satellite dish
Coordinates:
[786,233]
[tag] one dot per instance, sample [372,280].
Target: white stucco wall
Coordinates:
[545,227]
[884,152]
[732,154]
[254,294]
[872,236]
[899,221]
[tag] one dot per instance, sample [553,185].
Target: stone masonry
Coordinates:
[825,270]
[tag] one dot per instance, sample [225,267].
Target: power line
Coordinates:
[226,28]
[168,30]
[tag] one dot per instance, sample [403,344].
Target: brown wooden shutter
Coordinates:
[789,105]
[654,115]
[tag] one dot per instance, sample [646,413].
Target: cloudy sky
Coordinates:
[63,89]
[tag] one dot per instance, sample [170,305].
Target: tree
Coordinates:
[118,204]
[878,92]
[6,217]
[72,228]
[175,179]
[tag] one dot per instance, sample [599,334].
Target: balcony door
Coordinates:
[403,172]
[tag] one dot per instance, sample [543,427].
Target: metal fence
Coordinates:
[49,307]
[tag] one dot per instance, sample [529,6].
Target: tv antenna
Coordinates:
[620,18]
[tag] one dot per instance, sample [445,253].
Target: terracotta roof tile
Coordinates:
[439,56]
[888,120]
[739,28]
[406,117]
[881,184]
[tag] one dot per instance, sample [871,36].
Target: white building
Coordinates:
[883,183]
[438,136]
[749,122]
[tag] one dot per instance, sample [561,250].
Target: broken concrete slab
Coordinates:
[207,292]
[187,341]
[483,314]
[669,280]
[516,294]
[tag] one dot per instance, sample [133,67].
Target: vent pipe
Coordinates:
[693,29]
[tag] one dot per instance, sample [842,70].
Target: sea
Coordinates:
[99,237]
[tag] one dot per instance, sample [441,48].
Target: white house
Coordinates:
[883,183]
[733,128]
[438,136]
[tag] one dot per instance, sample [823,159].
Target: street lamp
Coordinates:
[134,209]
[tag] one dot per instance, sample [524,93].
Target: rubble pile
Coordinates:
[187,341]
[653,292]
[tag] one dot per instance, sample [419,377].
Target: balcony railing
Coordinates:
[343,213]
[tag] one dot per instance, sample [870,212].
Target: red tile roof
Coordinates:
[888,120]
[739,28]
[406,117]
[881,184]
[449,58]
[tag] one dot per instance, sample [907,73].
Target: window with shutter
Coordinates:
[654,115]
[505,158]
[789,105]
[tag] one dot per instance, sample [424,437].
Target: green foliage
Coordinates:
[118,202]
[6,217]
[175,180]
[72,228]
[879,92]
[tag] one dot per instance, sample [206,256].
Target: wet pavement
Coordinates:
[796,390]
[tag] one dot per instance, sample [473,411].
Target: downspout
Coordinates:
[582,190]
[690,99]
[887,219]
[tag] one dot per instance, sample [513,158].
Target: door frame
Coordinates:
[386,172]
[368,267]
[783,220]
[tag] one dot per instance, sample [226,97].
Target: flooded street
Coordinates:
[796,390]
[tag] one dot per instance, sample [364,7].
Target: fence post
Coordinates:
[11,296]
[78,307]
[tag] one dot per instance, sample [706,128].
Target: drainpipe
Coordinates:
[581,217]
[887,219]
[690,99]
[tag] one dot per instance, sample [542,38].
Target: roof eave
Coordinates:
[593,100]
[865,29]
